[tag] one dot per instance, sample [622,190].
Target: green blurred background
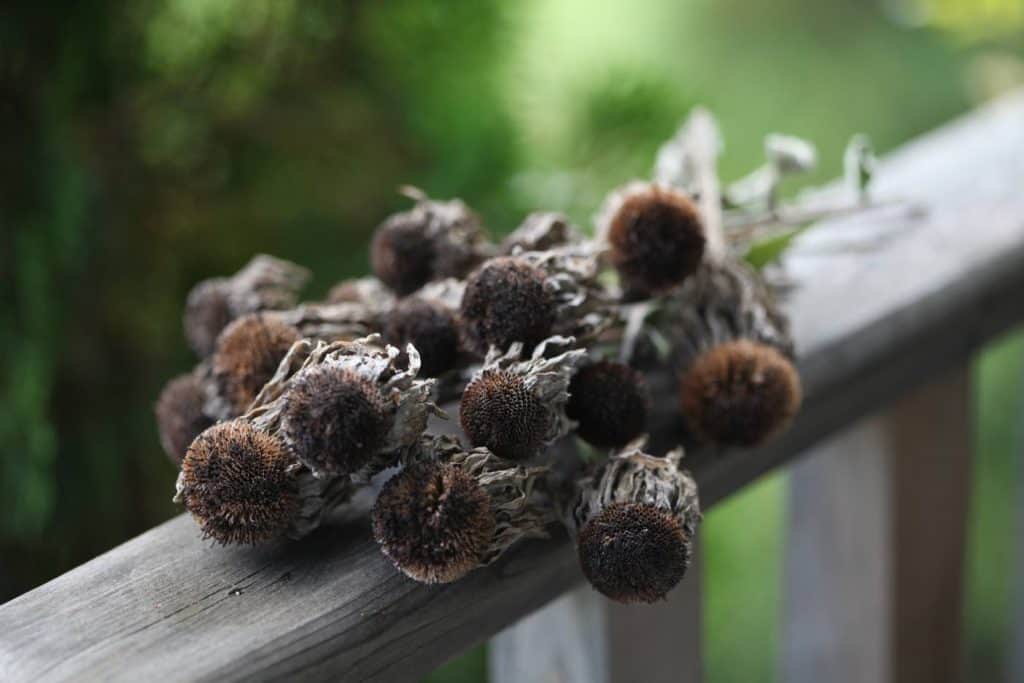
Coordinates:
[150,143]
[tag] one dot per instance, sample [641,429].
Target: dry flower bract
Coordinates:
[540,231]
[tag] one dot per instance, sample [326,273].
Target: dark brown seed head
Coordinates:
[506,301]
[500,412]
[235,482]
[402,254]
[179,415]
[656,240]
[434,521]
[334,420]
[633,552]
[247,355]
[609,401]
[207,313]
[428,326]
[740,394]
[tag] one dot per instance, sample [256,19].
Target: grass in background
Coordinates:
[742,554]
[998,443]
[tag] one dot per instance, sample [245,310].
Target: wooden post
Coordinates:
[876,545]
[584,638]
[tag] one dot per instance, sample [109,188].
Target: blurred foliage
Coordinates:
[151,143]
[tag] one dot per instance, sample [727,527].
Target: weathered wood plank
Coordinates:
[876,545]
[874,325]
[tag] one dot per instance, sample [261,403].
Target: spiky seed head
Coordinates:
[334,419]
[499,411]
[740,393]
[656,240]
[235,480]
[434,521]
[207,313]
[506,301]
[247,355]
[428,326]
[402,253]
[609,401]
[179,415]
[633,552]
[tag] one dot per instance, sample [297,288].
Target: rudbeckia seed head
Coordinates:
[430,327]
[432,241]
[609,401]
[739,393]
[502,413]
[236,482]
[265,283]
[207,313]
[179,415]
[434,521]
[402,254]
[516,407]
[633,552]
[635,519]
[247,354]
[334,419]
[505,301]
[655,238]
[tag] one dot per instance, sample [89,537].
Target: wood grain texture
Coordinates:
[877,534]
[875,324]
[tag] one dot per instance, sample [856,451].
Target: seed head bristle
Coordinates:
[179,415]
[609,401]
[633,552]
[334,420]
[498,410]
[247,355]
[740,393]
[505,301]
[235,482]
[434,521]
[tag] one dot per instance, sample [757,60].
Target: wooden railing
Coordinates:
[888,311]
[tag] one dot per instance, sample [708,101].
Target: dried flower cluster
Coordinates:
[294,407]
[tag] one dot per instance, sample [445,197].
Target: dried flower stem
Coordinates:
[705,144]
